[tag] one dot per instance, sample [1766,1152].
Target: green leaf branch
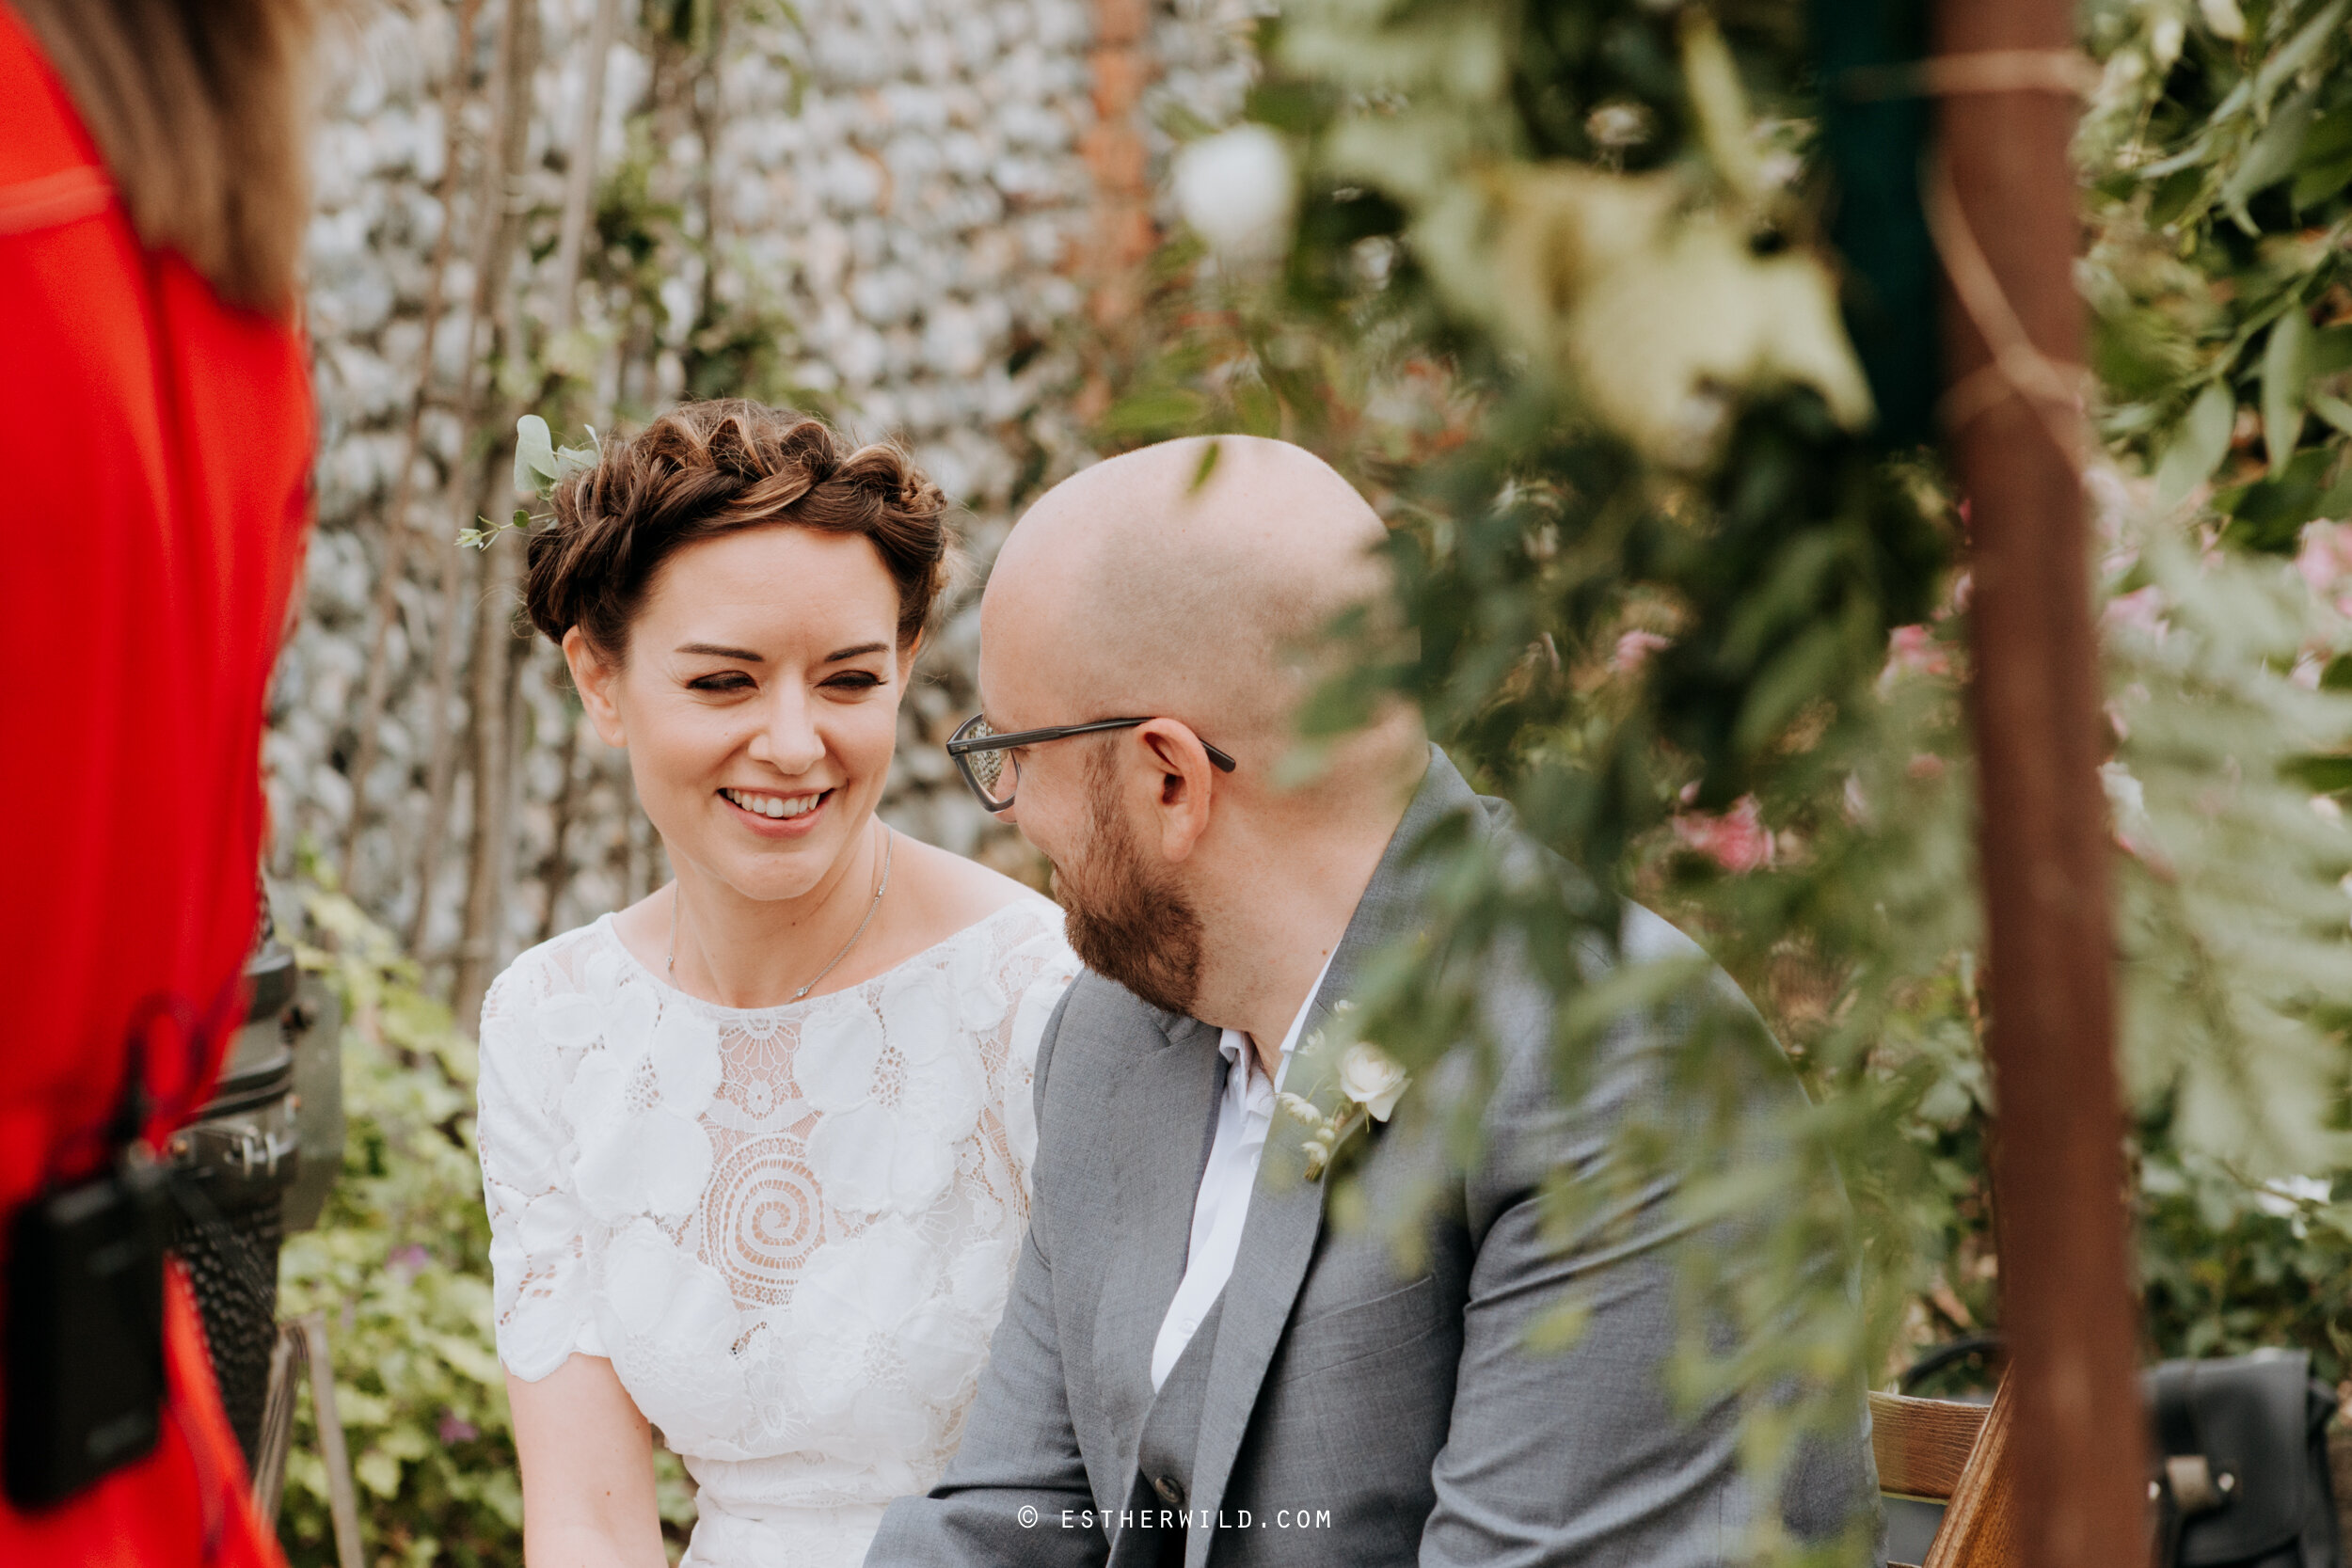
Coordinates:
[540,465]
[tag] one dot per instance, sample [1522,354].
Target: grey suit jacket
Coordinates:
[1350,1414]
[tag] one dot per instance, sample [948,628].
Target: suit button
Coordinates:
[1171,1491]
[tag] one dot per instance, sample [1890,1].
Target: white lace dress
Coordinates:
[791,1229]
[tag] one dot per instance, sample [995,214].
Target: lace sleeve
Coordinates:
[537,1260]
[1037,971]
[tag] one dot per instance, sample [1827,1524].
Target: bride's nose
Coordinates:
[787,741]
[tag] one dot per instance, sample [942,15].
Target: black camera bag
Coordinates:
[2241,1464]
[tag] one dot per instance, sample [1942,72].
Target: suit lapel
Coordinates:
[1158,1113]
[1277,1242]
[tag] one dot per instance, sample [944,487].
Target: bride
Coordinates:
[755,1148]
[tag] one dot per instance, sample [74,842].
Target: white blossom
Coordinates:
[1372,1078]
[1237,191]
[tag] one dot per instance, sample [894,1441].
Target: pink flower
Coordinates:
[456,1429]
[1914,651]
[2325,558]
[410,1260]
[1633,651]
[1734,840]
[2141,609]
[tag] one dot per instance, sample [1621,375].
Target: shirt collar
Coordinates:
[1234,1044]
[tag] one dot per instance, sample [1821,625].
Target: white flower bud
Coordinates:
[2224,18]
[1237,191]
[1372,1078]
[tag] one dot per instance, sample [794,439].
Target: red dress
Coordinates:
[154,452]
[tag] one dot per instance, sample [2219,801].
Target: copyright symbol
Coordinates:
[1027,1517]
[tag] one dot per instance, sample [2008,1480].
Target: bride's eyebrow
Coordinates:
[861,650]
[712,650]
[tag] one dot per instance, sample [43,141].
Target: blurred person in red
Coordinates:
[155,436]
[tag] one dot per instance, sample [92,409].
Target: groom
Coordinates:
[1195,1366]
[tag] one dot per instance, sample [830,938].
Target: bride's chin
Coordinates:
[785,872]
[776,884]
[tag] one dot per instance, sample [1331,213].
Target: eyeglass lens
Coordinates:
[986,769]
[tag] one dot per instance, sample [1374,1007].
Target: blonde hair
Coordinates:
[198,108]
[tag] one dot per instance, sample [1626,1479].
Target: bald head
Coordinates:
[1187,580]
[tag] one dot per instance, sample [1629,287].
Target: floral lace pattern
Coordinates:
[791,1229]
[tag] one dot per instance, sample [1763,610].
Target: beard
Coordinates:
[1127,920]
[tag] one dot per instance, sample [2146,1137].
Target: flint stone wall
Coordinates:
[900,195]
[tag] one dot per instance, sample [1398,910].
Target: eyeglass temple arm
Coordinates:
[1036,737]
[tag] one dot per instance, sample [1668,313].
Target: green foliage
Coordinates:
[2215,275]
[748,349]
[540,464]
[2216,280]
[1669,598]
[400,1266]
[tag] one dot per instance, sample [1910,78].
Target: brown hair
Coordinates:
[704,469]
[198,108]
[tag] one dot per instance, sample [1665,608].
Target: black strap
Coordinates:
[2168,1523]
[2177,1433]
[2176,1411]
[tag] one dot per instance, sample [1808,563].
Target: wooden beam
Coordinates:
[1922,1445]
[1980,1526]
[2005,210]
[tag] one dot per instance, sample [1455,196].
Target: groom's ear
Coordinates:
[1183,784]
[592,677]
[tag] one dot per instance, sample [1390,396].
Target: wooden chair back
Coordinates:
[1951,1453]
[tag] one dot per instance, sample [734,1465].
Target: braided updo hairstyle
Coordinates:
[704,469]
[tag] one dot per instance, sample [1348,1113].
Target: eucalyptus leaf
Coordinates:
[2286,365]
[2335,411]
[2198,446]
[2270,159]
[2299,51]
[534,456]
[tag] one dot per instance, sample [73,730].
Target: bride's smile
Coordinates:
[776,807]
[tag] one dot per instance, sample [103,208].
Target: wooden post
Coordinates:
[2005,210]
[393,566]
[343,1498]
[278,1414]
[499,236]
[579,179]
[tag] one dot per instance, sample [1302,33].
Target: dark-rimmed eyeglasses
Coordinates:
[980,752]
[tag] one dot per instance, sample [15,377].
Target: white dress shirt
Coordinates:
[1244,1112]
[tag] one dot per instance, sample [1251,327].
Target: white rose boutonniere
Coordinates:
[1371,1082]
[1372,1078]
